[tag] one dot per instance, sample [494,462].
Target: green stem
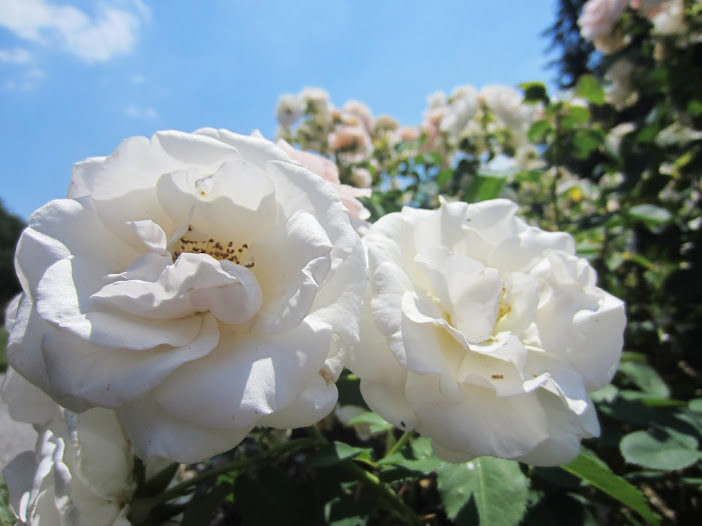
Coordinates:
[385,493]
[389,440]
[397,446]
[283,450]
[554,198]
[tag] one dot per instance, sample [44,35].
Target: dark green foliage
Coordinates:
[11,227]
[573,56]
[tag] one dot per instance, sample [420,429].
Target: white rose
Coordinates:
[598,17]
[200,284]
[484,334]
[80,472]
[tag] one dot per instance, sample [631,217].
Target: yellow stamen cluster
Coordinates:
[215,249]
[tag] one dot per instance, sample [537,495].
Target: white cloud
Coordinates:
[16,55]
[135,111]
[138,78]
[27,81]
[93,39]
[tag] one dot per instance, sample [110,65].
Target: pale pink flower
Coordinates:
[361,178]
[598,17]
[328,171]
[351,143]
[408,133]
[670,19]
[648,7]
[322,166]
[361,112]
[608,43]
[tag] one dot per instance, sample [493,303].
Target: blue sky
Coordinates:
[79,76]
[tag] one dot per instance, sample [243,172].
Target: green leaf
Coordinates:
[606,394]
[444,177]
[352,507]
[589,89]
[651,215]
[482,188]
[694,107]
[159,482]
[369,418]
[349,385]
[534,92]
[629,356]
[374,421]
[201,508]
[539,132]
[270,497]
[495,488]
[585,142]
[695,404]
[594,472]
[421,448]
[664,449]
[645,378]
[557,509]
[335,453]
[580,114]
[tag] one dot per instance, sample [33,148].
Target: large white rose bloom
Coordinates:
[484,334]
[199,284]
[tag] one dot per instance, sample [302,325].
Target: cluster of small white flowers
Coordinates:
[476,116]
[347,133]
[494,119]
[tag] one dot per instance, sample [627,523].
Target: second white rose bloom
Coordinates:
[199,284]
[484,334]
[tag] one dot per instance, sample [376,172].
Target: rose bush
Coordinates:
[199,284]
[484,334]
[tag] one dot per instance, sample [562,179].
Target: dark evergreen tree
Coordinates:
[11,227]
[574,56]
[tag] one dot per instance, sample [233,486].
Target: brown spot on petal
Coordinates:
[328,378]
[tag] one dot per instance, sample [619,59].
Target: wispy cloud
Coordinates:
[138,78]
[135,111]
[26,81]
[112,31]
[16,55]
